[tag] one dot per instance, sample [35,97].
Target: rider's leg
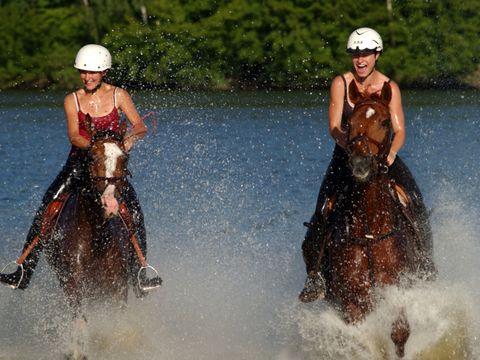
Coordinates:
[312,249]
[20,278]
[64,181]
[136,214]
[400,173]
[313,244]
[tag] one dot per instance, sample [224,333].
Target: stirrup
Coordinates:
[21,276]
[139,279]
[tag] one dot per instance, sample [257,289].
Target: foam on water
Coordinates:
[444,316]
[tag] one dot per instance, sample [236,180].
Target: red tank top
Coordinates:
[107,122]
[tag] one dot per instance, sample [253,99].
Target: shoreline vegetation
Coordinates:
[225,45]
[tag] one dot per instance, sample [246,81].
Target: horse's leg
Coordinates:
[350,285]
[77,346]
[354,312]
[78,339]
[390,259]
[400,333]
[116,262]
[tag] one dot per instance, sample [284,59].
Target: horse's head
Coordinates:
[107,166]
[369,132]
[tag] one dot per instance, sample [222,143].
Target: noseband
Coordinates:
[110,180]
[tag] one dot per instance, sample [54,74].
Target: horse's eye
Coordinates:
[386,123]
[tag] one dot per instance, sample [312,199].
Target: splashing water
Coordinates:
[225,191]
[444,316]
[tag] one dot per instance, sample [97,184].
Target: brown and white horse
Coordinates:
[90,245]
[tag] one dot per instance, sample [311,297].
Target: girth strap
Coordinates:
[368,239]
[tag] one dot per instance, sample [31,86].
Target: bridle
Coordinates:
[112,180]
[108,180]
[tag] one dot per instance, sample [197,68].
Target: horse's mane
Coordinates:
[359,98]
[371,98]
[106,135]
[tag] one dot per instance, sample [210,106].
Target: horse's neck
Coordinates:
[374,192]
[372,208]
[89,208]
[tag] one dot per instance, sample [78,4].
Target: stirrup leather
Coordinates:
[49,221]
[127,220]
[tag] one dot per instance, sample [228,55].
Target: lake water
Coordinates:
[226,182]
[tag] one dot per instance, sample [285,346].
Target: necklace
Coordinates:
[94,102]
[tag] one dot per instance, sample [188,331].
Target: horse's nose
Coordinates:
[107,214]
[110,205]
[361,167]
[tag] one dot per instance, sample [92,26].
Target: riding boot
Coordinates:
[314,288]
[427,268]
[70,176]
[312,247]
[20,278]
[400,173]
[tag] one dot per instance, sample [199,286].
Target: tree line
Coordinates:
[224,44]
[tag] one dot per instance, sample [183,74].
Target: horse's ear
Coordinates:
[353,92]
[123,128]
[89,126]
[386,94]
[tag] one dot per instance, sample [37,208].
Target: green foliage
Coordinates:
[217,44]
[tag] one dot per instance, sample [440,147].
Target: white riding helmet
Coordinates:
[93,57]
[364,39]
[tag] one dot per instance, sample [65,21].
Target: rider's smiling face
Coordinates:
[364,62]
[91,79]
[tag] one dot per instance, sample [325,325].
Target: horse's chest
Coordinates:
[370,216]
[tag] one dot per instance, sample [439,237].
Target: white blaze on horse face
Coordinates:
[112,153]
[370,112]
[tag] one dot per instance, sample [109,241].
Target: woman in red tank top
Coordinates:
[104,103]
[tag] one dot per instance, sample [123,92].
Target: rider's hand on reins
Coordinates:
[391,157]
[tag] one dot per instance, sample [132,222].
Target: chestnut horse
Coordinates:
[370,242]
[90,244]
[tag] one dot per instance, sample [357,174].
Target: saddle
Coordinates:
[412,213]
[398,193]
